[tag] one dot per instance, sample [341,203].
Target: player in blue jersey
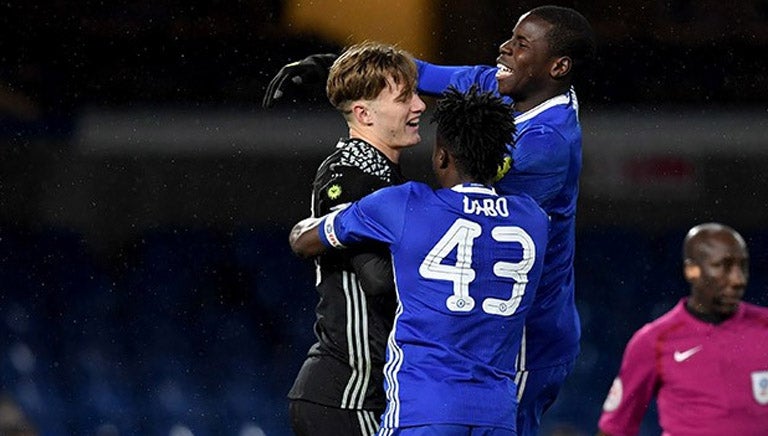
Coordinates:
[534,70]
[467,263]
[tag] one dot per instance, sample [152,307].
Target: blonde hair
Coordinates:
[363,71]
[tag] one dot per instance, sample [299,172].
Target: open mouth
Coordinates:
[503,71]
[413,123]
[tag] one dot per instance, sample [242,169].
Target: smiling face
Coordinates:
[525,61]
[718,270]
[392,118]
[374,86]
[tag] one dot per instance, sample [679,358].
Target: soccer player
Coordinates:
[339,389]
[706,360]
[467,263]
[534,70]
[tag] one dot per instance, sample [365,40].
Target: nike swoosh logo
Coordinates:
[680,356]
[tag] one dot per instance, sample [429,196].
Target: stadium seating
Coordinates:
[201,331]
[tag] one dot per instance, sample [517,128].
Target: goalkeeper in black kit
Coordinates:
[339,389]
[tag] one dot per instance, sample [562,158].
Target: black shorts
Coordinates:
[311,419]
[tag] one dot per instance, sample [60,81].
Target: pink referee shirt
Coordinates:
[708,379]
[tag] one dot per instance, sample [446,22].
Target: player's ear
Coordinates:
[561,67]
[362,113]
[691,270]
[443,159]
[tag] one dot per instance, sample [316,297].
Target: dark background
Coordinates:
[146,286]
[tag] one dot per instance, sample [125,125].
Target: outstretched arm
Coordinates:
[435,79]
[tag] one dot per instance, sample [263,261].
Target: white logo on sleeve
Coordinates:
[613,399]
[760,387]
[680,356]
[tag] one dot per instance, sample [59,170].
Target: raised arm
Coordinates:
[312,71]
[434,79]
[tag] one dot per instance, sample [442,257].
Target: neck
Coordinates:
[452,179]
[392,154]
[528,102]
[709,318]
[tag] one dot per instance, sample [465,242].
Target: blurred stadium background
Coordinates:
[146,286]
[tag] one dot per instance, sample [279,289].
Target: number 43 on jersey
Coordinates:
[461,236]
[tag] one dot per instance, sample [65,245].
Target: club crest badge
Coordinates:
[760,387]
[334,192]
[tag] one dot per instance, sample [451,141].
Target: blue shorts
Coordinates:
[539,389]
[446,430]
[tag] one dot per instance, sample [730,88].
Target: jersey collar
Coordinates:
[474,188]
[562,99]
[736,316]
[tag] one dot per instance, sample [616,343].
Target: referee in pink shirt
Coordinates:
[706,360]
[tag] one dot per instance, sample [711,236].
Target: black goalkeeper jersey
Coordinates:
[344,368]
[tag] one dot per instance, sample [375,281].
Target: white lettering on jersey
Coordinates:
[460,237]
[486,206]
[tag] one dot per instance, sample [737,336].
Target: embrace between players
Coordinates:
[448,311]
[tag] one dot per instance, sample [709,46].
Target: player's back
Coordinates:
[467,265]
[546,164]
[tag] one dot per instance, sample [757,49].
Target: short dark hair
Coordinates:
[475,128]
[571,35]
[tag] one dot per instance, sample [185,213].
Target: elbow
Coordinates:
[304,240]
[301,252]
[298,248]
[295,241]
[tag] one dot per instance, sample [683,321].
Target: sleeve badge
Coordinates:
[760,387]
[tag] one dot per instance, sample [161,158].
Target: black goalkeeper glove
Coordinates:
[311,70]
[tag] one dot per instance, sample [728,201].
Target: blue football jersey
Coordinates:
[467,263]
[546,163]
